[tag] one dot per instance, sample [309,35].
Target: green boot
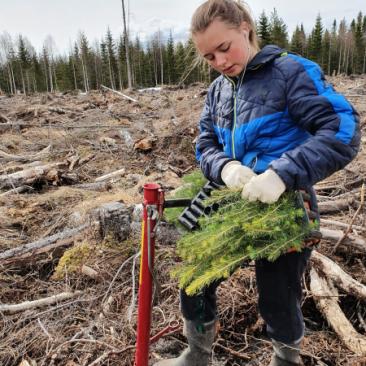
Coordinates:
[286,354]
[199,346]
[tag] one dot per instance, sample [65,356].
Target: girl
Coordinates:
[270,123]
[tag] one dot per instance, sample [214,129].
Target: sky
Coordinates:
[64,19]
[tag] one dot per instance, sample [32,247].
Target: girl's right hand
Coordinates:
[236,175]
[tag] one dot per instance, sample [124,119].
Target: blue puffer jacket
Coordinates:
[283,116]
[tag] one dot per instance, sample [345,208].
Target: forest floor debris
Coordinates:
[99,150]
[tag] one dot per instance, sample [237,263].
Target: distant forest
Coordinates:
[341,49]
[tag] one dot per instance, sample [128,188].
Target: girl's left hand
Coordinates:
[266,187]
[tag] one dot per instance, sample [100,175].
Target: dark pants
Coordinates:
[279,286]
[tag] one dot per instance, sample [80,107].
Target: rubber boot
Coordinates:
[286,354]
[199,345]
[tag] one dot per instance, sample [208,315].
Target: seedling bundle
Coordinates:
[240,231]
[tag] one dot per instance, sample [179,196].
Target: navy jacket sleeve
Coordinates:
[208,150]
[330,119]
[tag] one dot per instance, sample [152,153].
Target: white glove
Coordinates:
[236,175]
[266,187]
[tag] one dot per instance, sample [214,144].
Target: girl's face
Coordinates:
[226,49]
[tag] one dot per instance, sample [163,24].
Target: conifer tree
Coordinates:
[37,74]
[78,67]
[122,65]
[296,41]
[85,61]
[263,29]
[24,62]
[316,41]
[64,74]
[359,44]
[326,51]
[170,61]
[111,59]
[138,56]
[180,60]
[278,30]
[333,46]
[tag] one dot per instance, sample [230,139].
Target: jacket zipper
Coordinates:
[234,122]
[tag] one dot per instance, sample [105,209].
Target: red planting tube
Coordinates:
[152,200]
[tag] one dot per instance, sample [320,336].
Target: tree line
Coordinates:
[86,66]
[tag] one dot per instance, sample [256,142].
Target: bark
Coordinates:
[97,186]
[336,274]
[326,301]
[26,251]
[113,219]
[30,176]
[27,305]
[116,174]
[119,93]
[353,241]
[18,190]
[32,157]
[326,207]
[341,224]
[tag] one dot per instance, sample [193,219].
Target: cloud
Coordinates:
[147,30]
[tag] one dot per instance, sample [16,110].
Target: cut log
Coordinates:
[18,167]
[336,274]
[57,110]
[326,301]
[335,205]
[40,246]
[341,224]
[97,186]
[30,176]
[112,219]
[119,93]
[351,240]
[27,305]
[18,190]
[109,176]
[336,185]
[29,157]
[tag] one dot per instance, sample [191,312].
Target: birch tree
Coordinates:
[8,56]
[49,49]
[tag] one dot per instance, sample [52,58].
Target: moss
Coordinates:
[193,182]
[127,246]
[72,260]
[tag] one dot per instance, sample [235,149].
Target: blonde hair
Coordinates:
[232,12]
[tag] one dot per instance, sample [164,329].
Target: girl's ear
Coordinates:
[244,27]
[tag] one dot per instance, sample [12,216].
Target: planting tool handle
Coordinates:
[171,328]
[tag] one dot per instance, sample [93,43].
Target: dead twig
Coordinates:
[339,242]
[232,352]
[119,93]
[15,308]
[106,355]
